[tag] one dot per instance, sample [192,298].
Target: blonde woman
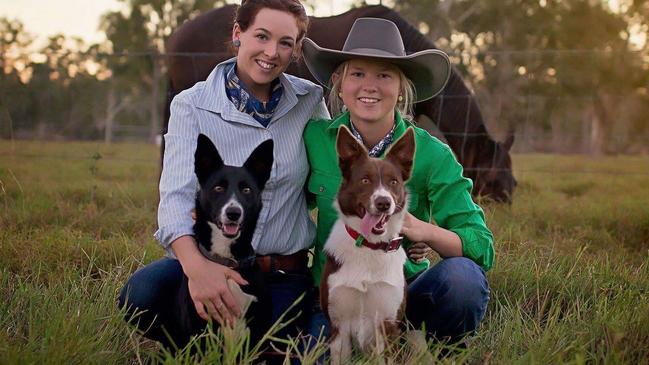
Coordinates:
[373,84]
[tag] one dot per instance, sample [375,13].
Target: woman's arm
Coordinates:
[453,209]
[178,185]
[459,228]
[446,243]
[178,182]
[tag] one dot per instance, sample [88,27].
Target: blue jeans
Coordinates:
[449,300]
[154,288]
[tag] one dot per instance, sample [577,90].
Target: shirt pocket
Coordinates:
[323,186]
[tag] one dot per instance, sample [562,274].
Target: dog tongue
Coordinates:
[368,222]
[231,229]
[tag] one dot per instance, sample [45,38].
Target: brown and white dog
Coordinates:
[362,291]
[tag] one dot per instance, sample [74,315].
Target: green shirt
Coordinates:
[437,192]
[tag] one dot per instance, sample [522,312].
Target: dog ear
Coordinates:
[348,149]
[260,162]
[206,159]
[402,153]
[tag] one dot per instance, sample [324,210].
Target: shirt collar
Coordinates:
[379,148]
[214,98]
[400,125]
[247,103]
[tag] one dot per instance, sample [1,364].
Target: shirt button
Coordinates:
[322,189]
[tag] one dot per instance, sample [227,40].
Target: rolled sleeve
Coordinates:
[477,245]
[178,182]
[454,209]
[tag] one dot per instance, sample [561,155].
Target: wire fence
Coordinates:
[552,101]
[92,157]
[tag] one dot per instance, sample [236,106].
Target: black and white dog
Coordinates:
[228,204]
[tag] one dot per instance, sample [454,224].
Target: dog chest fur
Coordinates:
[366,289]
[361,266]
[363,289]
[220,243]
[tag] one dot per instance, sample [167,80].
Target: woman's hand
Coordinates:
[210,293]
[207,282]
[416,230]
[419,251]
[443,241]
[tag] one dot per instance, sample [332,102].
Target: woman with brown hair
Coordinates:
[244,101]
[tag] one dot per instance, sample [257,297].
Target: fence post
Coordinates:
[110,115]
[154,129]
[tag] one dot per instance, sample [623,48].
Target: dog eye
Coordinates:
[246,190]
[365,180]
[394,182]
[219,189]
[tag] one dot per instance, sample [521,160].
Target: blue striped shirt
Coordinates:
[284,225]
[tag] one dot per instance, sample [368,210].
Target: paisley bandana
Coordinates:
[380,147]
[246,102]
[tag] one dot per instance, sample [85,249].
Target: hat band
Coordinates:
[373,52]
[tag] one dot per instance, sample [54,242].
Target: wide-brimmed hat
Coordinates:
[379,39]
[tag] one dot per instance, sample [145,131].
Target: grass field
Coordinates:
[570,285]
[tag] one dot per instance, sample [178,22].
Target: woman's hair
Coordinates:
[407,91]
[248,10]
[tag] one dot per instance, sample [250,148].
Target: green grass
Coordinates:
[570,285]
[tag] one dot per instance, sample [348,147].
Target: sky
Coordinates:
[44,18]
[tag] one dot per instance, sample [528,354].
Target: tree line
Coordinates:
[569,75]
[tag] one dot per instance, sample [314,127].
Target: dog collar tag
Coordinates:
[359,240]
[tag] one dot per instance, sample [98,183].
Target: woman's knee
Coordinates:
[450,298]
[457,283]
[149,285]
[464,282]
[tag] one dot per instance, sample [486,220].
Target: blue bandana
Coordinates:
[246,102]
[380,147]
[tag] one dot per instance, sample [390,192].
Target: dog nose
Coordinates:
[382,204]
[233,213]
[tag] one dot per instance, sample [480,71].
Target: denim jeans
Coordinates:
[153,289]
[449,300]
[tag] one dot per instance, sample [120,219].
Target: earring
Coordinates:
[236,43]
[340,95]
[400,98]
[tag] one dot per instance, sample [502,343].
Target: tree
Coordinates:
[137,38]
[14,61]
[549,60]
[64,91]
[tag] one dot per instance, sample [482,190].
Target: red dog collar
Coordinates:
[391,246]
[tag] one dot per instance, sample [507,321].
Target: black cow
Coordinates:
[201,43]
